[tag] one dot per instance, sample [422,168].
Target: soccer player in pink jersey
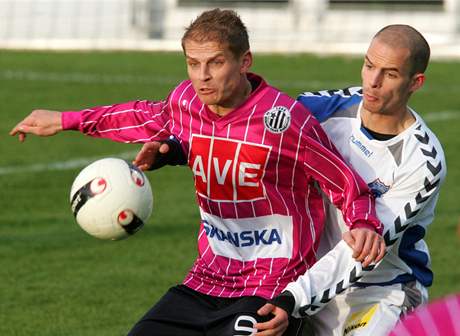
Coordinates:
[261,165]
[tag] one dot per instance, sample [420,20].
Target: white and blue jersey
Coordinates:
[404,173]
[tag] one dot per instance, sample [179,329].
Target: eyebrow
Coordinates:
[386,69]
[219,54]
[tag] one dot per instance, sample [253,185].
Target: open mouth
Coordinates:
[370,98]
[206,91]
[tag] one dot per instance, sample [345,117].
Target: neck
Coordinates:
[238,98]
[387,123]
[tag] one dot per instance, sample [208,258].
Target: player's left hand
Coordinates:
[277,325]
[149,153]
[368,246]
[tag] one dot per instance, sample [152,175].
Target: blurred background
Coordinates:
[321,26]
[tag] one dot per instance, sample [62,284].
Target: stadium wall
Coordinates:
[319,26]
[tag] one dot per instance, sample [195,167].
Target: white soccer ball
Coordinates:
[111,199]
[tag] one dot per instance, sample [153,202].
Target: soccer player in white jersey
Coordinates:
[257,157]
[403,163]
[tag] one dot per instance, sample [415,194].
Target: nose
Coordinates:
[375,78]
[204,73]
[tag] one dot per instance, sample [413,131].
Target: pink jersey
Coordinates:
[257,172]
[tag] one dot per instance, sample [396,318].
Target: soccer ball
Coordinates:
[111,199]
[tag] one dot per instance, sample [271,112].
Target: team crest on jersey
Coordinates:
[378,188]
[277,119]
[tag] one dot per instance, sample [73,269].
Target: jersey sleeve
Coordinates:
[344,188]
[323,104]
[131,122]
[412,200]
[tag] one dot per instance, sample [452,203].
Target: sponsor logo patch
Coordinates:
[228,170]
[359,320]
[277,119]
[249,238]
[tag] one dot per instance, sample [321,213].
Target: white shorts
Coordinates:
[372,310]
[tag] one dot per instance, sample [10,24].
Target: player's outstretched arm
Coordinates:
[39,122]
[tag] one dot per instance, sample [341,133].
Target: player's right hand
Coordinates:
[39,122]
[368,246]
[277,325]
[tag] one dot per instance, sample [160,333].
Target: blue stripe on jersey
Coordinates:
[403,278]
[323,104]
[366,133]
[417,260]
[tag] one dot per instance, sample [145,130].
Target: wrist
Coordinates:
[69,120]
[363,225]
[285,301]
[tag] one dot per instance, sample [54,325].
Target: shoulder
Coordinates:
[422,163]
[428,148]
[332,103]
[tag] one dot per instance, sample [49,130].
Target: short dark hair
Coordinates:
[222,26]
[405,36]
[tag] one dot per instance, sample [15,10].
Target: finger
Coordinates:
[367,246]
[358,245]
[382,250]
[348,238]
[265,309]
[368,259]
[279,330]
[373,252]
[26,129]
[143,167]
[275,322]
[14,131]
[271,324]
[22,137]
[145,151]
[17,129]
[164,148]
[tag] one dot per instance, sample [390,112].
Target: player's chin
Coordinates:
[209,99]
[371,106]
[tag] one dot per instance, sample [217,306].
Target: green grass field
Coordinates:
[55,279]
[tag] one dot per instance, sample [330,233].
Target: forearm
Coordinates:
[137,121]
[329,276]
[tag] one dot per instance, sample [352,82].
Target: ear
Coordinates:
[246,62]
[417,82]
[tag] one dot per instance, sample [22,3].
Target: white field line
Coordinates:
[88,78]
[94,78]
[62,165]
[441,116]
[81,162]
[85,78]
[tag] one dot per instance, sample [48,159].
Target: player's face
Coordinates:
[387,83]
[218,77]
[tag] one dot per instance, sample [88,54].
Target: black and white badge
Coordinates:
[277,119]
